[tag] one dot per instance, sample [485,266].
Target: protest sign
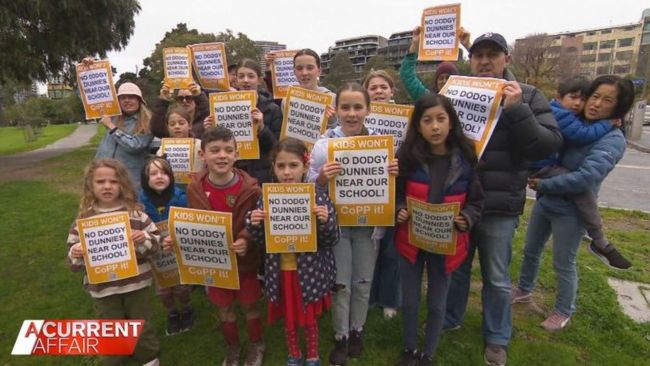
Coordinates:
[477,102]
[364,192]
[202,241]
[211,65]
[180,153]
[163,264]
[178,68]
[305,115]
[389,119]
[97,90]
[109,252]
[439,33]
[282,75]
[232,110]
[431,226]
[291,225]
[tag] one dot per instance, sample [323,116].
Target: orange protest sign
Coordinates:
[178,68]
[163,265]
[389,119]
[109,253]
[97,90]
[233,111]
[439,33]
[363,193]
[431,226]
[478,104]
[291,225]
[305,115]
[202,241]
[282,75]
[211,65]
[180,153]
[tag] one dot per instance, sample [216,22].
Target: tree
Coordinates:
[44,38]
[239,47]
[127,77]
[341,71]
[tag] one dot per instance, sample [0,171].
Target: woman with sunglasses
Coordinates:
[192,100]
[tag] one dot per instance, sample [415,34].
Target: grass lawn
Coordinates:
[38,285]
[12,140]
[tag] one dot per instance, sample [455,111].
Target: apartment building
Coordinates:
[359,50]
[265,47]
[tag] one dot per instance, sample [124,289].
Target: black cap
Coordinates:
[495,38]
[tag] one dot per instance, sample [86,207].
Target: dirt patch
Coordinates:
[629,223]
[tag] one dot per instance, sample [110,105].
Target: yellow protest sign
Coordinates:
[109,253]
[97,90]
[431,226]
[389,119]
[232,110]
[180,153]
[439,33]
[291,225]
[163,265]
[202,241]
[282,75]
[178,68]
[364,192]
[211,65]
[477,102]
[305,115]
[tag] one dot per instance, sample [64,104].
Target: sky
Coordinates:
[318,24]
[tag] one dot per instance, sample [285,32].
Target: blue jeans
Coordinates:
[385,284]
[355,256]
[493,239]
[437,286]
[567,230]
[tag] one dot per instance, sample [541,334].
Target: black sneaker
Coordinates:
[173,323]
[425,360]
[355,344]
[610,256]
[187,319]
[410,357]
[339,355]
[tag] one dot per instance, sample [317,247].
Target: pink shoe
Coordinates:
[556,322]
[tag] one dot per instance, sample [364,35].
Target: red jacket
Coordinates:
[245,201]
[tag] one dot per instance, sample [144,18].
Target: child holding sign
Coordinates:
[224,188]
[298,285]
[179,126]
[385,284]
[355,254]
[158,194]
[107,188]
[437,165]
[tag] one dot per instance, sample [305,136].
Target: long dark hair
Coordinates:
[416,150]
[624,97]
[307,52]
[291,145]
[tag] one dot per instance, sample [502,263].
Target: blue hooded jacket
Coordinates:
[179,199]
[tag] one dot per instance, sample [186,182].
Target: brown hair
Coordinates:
[353,86]
[378,74]
[250,64]
[291,145]
[181,112]
[127,193]
[307,52]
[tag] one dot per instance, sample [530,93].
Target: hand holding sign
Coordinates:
[208,122]
[321,213]
[402,216]
[107,122]
[257,217]
[415,40]
[165,93]
[461,223]
[168,244]
[258,119]
[194,88]
[393,167]
[511,94]
[77,251]
[138,237]
[239,246]
[329,171]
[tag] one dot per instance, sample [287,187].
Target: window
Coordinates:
[625,42]
[591,33]
[624,55]
[607,44]
[588,58]
[606,31]
[604,56]
[603,70]
[571,49]
[622,69]
[589,46]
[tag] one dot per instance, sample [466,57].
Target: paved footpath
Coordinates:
[80,137]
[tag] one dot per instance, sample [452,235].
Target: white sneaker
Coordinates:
[556,322]
[389,313]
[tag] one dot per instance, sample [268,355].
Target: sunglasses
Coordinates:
[184,98]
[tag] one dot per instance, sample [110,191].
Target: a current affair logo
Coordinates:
[77,337]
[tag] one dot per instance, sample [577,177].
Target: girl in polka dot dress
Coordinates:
[298,285]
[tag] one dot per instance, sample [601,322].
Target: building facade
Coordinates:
[266,47]
[359,50]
